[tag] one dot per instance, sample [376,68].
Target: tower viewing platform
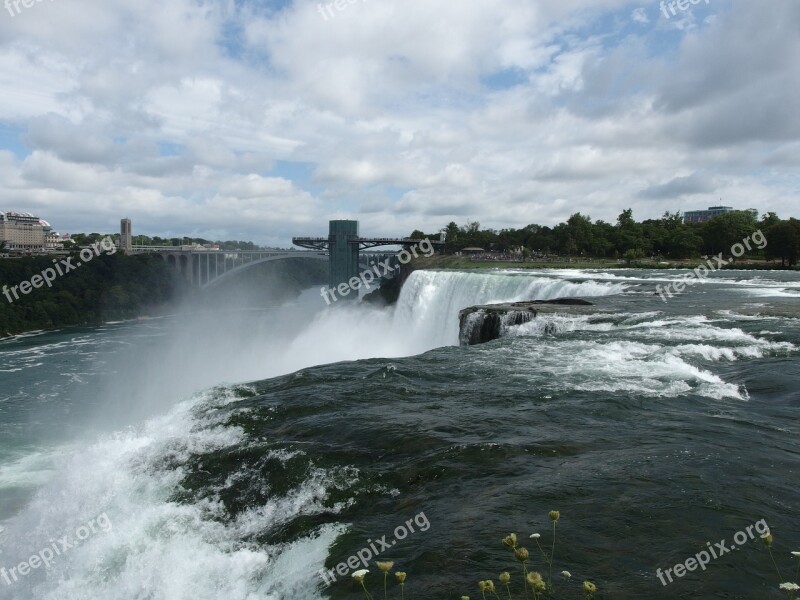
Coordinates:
[344,244]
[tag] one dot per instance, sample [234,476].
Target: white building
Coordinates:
[24,232]
[53,241]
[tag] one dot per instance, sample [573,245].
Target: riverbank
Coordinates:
[119,287]
[112,287]
[465,262]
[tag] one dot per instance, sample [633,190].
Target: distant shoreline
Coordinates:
[463,263]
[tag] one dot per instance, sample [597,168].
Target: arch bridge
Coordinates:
[205,267]
[344,250]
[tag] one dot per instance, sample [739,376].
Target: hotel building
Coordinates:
[24,232]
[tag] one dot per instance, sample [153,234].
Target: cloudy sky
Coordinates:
[262,119]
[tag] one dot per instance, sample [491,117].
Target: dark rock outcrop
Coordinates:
[481,324]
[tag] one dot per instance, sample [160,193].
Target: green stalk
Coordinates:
[552,558]
[366,593]
[525,580]
[780,577]
[544,554]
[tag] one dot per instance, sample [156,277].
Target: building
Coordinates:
[703,216]
[53,241]
[24,232]
[343,261]
[125,235]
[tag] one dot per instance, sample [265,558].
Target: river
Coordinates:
[235,454]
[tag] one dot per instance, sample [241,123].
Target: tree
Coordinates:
[579,230]
[630,235]
[769,219]
[472,227]
[682,243]
[784,242]
[452,231]
[722,233]
[625,219]
[678,239]
[603,239]
[632,255]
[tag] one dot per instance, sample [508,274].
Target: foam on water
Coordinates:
[641,354]
[31,469]
[157,547]
[648,370]
[666,330]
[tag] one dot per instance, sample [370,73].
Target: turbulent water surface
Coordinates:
[235,455]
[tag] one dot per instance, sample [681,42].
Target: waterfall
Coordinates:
[430,301]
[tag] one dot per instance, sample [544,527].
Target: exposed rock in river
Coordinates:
[481,324]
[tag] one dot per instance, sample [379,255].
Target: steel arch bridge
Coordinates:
[344,249]
[205,268]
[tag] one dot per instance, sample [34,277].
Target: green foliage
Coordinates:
[110,287]
[769,219]
[632,255]
[784,241]
[86,239]
[721,233]
[667,238]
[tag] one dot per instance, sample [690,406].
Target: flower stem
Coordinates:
[385,575]
[544,554]
[366,593]
[525,581]
[780,577]
[552,558]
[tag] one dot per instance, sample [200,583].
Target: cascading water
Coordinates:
[431,300]
[247,491]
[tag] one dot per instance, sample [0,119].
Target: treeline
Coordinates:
[86,239]
[110,287]
[667,237]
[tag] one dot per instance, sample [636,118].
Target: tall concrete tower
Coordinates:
[343,251]
[125,236]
